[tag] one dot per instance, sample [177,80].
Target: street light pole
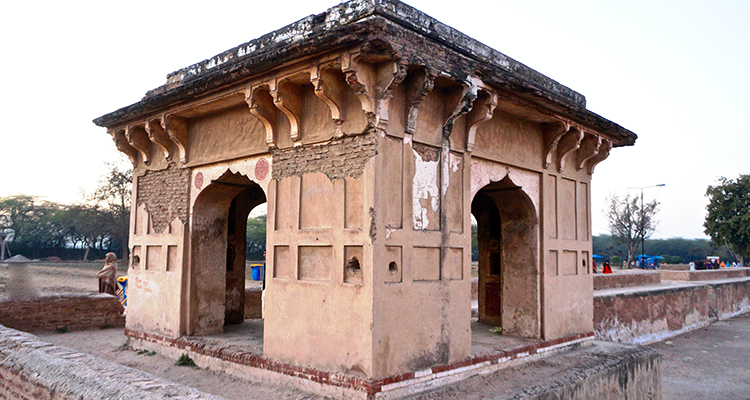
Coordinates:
[643,222]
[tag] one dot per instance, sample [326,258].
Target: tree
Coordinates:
[631,221]
[256,237]
[112,198]
[728,218]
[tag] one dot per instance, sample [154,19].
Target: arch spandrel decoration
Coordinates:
[484,172]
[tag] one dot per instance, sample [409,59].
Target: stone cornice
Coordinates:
[360,21]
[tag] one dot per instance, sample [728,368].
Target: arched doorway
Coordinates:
[507,238]
[218,252]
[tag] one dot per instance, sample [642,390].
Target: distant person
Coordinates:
[108,274]
[722,265]
[607,269]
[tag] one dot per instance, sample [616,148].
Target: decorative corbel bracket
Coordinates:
[138,139]
[330,91]
[568,144]
[177,129]
[589,148]
[158,135]
[262,107]
[482,111]
[287,97]
[604,149]
[418,86]
[373,85]
[121,142]
[553,132]
[463,99]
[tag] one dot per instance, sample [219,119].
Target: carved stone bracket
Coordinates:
[589,148]
[569,143]
[121,142]
[482,111]
[262,107]
[601,155]
[158,135]
[330,91]
[138,139]
[372,83]
[553,132]
[177,129]
[419,84]
[287,97]
[463,98]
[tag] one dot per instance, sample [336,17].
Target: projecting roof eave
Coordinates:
[355,22]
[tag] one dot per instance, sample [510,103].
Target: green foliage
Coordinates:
[728,217]
[256,237]
[186,361]
[615,261]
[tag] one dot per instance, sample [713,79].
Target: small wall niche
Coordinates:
[135,260]
[394,264]
[353,264]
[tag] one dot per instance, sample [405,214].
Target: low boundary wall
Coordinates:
[705,274]
[31,369]
[626,279]
[653,314]
[68,311]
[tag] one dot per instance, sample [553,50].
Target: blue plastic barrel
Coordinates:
[257,270]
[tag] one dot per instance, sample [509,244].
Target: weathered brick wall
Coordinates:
[651,315]
[69,311]
[166,195]
[253,303]
[626,279]
[32,369]
[339,159]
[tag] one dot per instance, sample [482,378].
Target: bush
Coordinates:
[615,261]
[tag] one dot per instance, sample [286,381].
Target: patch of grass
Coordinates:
[148,353]
[186,361]
[124,346]
[64,329]
[106,327]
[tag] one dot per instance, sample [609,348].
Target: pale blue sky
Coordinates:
[673,72]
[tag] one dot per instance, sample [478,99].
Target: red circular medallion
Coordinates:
[261,169]
[199,180]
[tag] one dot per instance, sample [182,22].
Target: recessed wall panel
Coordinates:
[453,268]
[426,264]
[569,262]
[316,202]
[567,208]
[315,263]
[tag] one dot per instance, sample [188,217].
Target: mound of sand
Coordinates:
[17,259]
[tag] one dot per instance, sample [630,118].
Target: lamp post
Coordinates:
[643,225]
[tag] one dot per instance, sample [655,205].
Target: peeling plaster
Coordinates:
[425,190]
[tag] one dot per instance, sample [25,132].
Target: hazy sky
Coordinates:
[673,72]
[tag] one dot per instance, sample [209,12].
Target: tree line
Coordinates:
[38,228]
[674,250]
[727,222]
